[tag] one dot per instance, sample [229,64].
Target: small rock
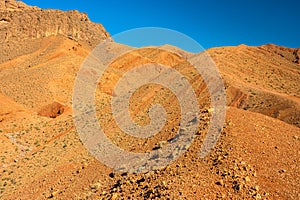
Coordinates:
[256,188]
[53,194]
[95,186]
[296,137]
[84,165]
[247,179]
[220,182]
[257,196]
[237,187]
[114,196]
[111,175]
[229,122]
[266,194]
[282,171]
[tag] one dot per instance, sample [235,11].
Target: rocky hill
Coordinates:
[23,25]
[42,156]
[261,79]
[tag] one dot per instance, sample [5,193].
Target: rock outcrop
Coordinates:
[13,5]
[297,56]
[19,22]
[291,54]
[23,27]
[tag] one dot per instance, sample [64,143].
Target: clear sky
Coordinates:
[211,23]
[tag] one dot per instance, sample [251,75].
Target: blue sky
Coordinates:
[211,23]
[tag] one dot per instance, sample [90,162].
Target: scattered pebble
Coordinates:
[220,182]
[53,194]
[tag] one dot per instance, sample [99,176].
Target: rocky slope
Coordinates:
[261,79]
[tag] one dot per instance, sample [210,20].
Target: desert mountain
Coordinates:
[42,157]
[27,25]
